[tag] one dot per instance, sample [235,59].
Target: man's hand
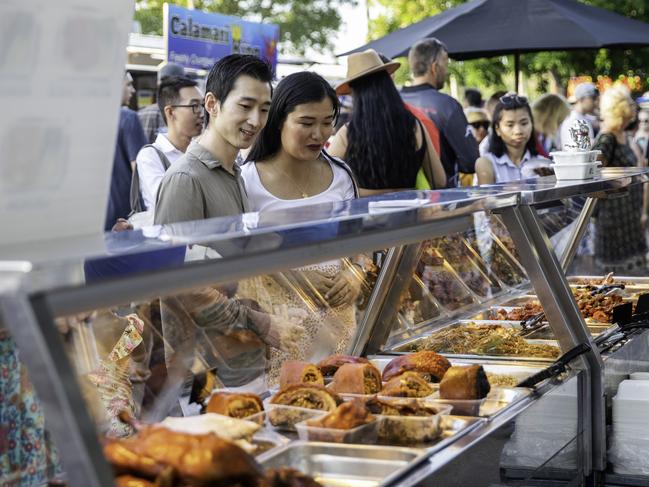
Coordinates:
[346,288]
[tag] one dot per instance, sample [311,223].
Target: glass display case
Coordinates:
[192,327]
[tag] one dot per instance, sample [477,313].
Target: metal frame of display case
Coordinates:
[28,310]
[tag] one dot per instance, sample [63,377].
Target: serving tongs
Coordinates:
[557,367]
[532,323]
[625,320]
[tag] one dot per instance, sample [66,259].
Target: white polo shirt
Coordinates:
[151,169]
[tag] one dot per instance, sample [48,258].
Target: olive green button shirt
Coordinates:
[197,186]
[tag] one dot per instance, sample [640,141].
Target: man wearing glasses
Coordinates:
[181,105]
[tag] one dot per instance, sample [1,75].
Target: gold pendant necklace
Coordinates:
[303,193]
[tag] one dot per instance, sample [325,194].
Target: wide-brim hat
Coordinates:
[361,64]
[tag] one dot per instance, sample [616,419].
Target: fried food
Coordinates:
[330,365]
[463,383]
[298,372]
[196,460]
[346,416]
[425,362]
[235,405]
[356,379]
[408,384]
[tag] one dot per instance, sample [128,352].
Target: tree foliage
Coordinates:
[303,23]
[551,70]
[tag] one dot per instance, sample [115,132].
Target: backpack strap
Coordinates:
[135,194]
[343,165]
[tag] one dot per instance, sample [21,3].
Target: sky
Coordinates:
[353,33]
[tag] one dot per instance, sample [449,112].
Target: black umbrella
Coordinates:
[486,28]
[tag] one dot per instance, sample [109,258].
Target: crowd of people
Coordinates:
[231,150]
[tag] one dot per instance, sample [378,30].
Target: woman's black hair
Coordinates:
[296,89]
[496,144]
[381,133]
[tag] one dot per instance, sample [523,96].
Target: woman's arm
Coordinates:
[485,171]
[338,146]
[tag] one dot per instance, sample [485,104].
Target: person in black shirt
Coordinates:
[429,64]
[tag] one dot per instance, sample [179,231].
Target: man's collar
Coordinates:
[165,145]
[421,87]
[207,158]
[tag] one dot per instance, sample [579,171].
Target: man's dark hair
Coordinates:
[227,70]
[424,54]
[169,91]
[473,97]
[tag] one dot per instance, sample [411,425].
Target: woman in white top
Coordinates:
[288,167]
[513,153]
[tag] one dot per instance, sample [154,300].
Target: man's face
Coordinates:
[589,104]
[127,89]
[187,116]
[244,112]
[440,70]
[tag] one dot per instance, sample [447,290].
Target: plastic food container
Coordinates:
[568,157]
[365,433]
[284,418]
[461,407]
[576,171]
[411,430]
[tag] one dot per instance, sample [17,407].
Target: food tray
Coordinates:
[418,304]
[342,465]
[497,401]
[406,347]
[348,465]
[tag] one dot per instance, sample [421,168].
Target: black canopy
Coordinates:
[486,28]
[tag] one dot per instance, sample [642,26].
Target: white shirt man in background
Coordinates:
[586,96]
[181,104]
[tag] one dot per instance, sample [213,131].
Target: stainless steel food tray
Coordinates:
[346,465]
[405,347]
[338,465]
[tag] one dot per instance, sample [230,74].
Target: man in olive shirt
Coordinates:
[205,183]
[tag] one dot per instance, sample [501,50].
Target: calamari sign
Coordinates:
[197,39]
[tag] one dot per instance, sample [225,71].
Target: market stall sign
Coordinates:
[197,39]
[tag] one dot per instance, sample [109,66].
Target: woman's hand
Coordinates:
[346,288]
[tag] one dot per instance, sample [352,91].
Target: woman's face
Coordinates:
[307,128]
[515,127]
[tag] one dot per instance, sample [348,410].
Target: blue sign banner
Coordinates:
[197,39]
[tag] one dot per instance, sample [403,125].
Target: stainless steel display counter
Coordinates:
[556,431]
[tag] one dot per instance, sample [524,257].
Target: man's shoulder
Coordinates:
[152,109]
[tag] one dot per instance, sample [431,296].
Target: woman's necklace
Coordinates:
[303,192]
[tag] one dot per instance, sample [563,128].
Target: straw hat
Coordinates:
[361,64]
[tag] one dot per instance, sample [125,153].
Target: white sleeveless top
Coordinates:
[260,199]
[505,170]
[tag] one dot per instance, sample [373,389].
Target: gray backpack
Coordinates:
[137,204]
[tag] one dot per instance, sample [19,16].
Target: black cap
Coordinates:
[170,69]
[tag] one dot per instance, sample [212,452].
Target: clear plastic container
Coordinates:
[577,171]
[412,430]
[284,418]
[365,433]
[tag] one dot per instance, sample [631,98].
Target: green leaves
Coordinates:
[303,23]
